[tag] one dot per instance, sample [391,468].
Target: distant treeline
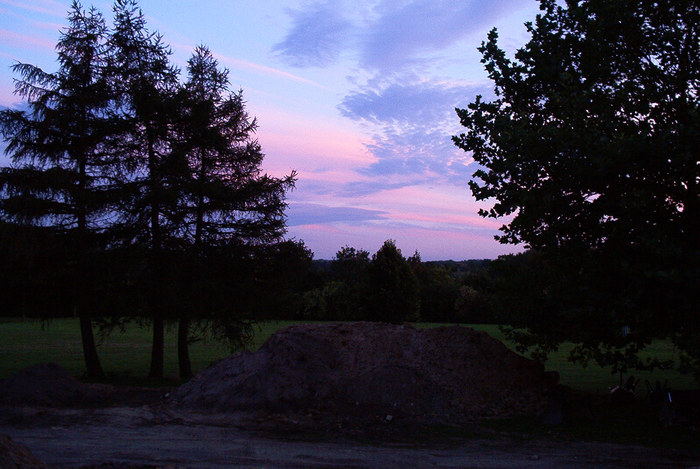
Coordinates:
[387,286]
[280,281]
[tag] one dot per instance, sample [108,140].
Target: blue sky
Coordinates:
[357,96]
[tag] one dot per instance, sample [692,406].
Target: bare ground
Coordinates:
[350,396]
[157,436]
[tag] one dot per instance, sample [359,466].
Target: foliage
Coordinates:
[446,291]
[392,294]
[59,175]
[438,290]
[342,295]
[224,202]
[148,192]
[224,194]
[143,82]
[591,147]
[282,274]
[475,303]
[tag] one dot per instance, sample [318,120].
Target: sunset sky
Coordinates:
[357,96]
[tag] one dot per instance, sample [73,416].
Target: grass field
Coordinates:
[125,356]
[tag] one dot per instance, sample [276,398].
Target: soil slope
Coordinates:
[446,373]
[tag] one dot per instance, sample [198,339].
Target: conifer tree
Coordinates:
[226,201]
[144,81]
[56,179]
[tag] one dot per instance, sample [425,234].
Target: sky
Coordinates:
[356,96]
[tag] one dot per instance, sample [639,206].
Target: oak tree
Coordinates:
[590,147]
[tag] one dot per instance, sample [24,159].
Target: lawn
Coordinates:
[125,356]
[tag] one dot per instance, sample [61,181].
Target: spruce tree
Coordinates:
[227,203]
[144,81]
[56,180]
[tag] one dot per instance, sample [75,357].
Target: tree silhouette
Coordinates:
[144,82]
[392,294]
[139,195]
[591,147]
[57,178]
[224,197]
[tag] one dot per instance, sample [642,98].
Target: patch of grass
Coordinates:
[595,379]
[126,356]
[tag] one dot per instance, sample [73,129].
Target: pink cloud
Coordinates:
[23,41]
[430,202]
[48,7]
[311,145]
[233,62]
[320,228]
[432,244]
[447,219]
[452,244]
[7,97]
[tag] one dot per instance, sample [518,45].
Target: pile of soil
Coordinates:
[47,385]
[447,373]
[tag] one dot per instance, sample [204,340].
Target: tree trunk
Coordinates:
[92,360]
[84,280]
[157,350]
[156,261]
[183,351]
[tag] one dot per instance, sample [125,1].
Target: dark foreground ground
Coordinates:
[157,435]
[363,395]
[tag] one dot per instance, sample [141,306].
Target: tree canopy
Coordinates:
[590,147]
[144,184]
[59,177]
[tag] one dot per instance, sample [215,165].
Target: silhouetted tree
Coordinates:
[145,82]
[475,300]
[282,271]
[58,178]
[591,146]
[392,294]
[346,294]
[438,290]
[224,195]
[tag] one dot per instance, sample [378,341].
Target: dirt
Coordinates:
[154,437]
[16,456]
[311,421]
[450,374]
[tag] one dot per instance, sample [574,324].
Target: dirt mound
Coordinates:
[16,456]
[48,385]
[452,373]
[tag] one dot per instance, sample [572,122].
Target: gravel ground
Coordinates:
[145,436]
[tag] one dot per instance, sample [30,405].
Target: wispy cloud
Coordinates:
[19,40]
[404,32]
[311,214]
[411,124]
[402,102]
[406,109]
[389,34]
[47,7]
[318,35]
[233,62]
